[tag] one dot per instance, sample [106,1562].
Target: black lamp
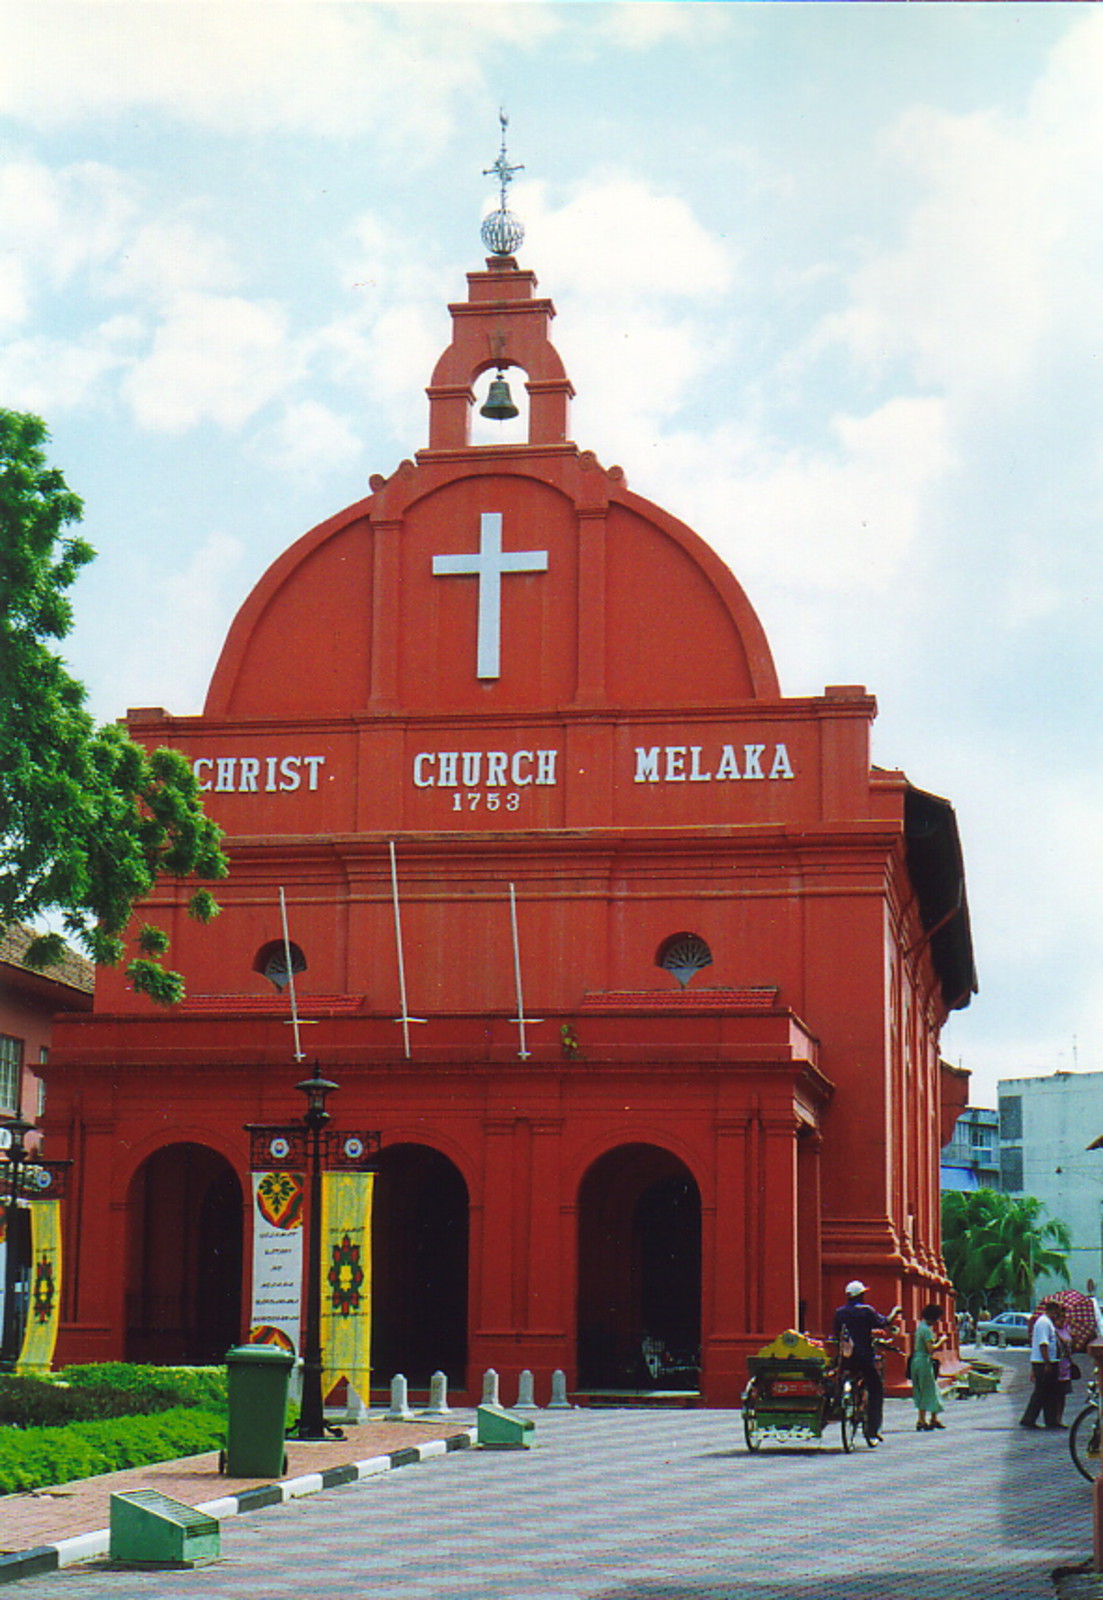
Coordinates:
[312,1422]
[18,1130]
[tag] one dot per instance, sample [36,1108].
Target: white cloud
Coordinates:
[999,264]
[639,283]
[847,518]
[309,441]
[14,292]
[618,235]
[46,375]
[632,26]
[333,70]
[54,224]
[167,256]
[823,521]
[1034,895]
[214,357]
[196,602]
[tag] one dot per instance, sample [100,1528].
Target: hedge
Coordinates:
[194,1386]
[79,1394]
[36,1458]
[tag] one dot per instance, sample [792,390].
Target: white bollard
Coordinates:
[356,1407]
[400,1404]
[559,1401]
[526,1396]
[352,1412]
[438,1397]
[490,1388]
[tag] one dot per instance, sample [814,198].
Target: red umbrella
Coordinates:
[1080,1313]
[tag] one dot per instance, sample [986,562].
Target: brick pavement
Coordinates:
[647,1505]
[48,1516]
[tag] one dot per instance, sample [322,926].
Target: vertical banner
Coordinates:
[40,1333]
[346,1279]
[277,1259]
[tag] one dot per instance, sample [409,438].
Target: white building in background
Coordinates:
[1046,1126]
[971,1160]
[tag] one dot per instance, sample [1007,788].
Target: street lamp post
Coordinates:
[18,1130]
[310,1146]
[312,1422]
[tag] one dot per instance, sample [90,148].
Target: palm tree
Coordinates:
[1029,1244]
[995,1243]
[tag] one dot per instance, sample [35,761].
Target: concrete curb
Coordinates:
[86,1546]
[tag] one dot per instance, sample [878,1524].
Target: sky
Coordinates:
[829,282]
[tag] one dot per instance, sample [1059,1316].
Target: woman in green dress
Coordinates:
[924,1368]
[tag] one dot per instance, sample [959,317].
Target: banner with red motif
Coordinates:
[277,1259]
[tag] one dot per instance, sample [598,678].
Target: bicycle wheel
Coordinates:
[750,1426]
[861,1411]
[1084,1443]
[850,1416]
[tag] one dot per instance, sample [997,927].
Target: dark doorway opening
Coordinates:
[419,1267]
[639,1253]
[183,1303]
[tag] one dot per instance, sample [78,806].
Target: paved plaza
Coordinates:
[664,1505]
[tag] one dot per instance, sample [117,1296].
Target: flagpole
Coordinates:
[519,1019]
[290,977]
[405,1018]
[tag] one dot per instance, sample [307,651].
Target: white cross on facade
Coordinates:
[488,564]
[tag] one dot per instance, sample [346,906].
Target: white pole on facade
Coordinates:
[405,1018]
[519,1019]
[299,1056]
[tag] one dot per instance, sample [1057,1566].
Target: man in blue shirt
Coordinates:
[855,1325]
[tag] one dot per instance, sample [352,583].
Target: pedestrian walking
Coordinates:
[1066,1369]
[924,1370]
[1044,1396]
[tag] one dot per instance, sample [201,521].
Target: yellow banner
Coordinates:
[346,1280]
[40,1334]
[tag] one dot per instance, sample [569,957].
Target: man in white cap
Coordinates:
[855,1324]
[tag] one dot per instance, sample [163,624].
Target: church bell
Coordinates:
[499,402]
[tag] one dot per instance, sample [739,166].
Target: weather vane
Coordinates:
[502,233]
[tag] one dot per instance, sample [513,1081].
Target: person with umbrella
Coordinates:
[1080,1317]
[1058,1315]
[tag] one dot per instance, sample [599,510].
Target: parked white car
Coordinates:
[1010,1327]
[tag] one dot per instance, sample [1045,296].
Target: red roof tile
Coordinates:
[309,1005]
[761,998]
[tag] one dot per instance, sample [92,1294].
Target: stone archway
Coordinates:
[183,1296]
[639,1272]
[419,1267]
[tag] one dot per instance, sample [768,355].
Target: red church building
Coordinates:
[680,956]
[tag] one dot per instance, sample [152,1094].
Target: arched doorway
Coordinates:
[419,1266]
[639,1272]
[183,1303]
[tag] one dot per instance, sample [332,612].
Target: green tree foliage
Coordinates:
[89,820]
[995,1245]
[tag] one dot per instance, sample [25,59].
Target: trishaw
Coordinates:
[797,1388]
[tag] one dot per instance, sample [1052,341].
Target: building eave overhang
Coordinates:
[936,868]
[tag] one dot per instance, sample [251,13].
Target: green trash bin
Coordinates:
[257,1379]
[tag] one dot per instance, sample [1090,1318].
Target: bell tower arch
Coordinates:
[501,324]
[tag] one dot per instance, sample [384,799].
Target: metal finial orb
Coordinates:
[502,233]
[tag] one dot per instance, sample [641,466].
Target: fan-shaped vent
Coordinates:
[272,963]
[683,955]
